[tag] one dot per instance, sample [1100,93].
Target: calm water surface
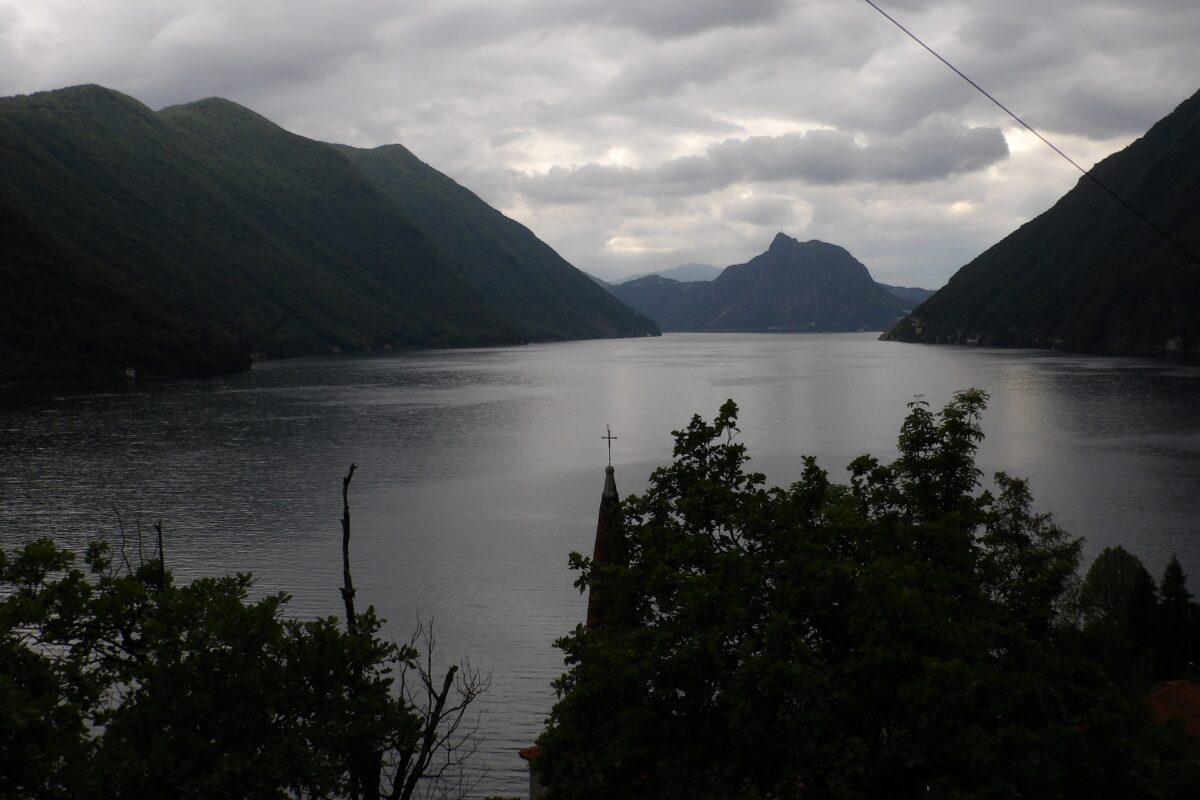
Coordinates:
[480,470]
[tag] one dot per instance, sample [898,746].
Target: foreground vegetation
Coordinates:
[118,682]
[901,635]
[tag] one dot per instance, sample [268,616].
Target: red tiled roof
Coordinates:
[1177,699]
[530,753]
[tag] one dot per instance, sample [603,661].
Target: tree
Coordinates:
[117,682]
[901,635]
[397,768]
[1177,635]
[1118,606]
[1118,591]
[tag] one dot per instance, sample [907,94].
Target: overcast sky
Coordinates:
[634,135]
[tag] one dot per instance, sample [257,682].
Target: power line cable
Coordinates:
[1087,173]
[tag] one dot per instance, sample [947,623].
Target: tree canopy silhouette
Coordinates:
[904,634]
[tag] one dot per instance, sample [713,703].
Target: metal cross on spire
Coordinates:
[610,438]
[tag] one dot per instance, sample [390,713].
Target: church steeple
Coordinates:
[608,533]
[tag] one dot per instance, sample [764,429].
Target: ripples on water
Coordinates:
[480,470]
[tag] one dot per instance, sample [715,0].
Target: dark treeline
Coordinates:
[1140,632]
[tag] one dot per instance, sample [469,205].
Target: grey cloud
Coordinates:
[473,22]
[506,137]
[935,150]
[178,52]
[776,56]
[818,156]
[676,116]
[764,211]
[579,185]
[1083,67]
[674,18]
[1099,108]
[667,71]
[995,30]
[637,118]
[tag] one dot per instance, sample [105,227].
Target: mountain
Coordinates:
[674,305]
[181,241]
[68,317]
[684,273]
[910,294]
[519,277]
[1087,275]
[793,286]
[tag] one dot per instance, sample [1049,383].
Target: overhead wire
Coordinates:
[1086,172]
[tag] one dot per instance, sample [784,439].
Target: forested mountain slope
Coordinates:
[519,276]
[1088,275]
[183,241]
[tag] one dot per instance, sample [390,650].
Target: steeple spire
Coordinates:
[608,535]
[610,439]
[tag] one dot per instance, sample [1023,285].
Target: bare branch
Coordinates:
[347,581]
[433,766]
[141,543]
[431,758]
[121,528]
[162,557]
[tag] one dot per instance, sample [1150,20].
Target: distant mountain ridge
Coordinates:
[684,273]
[182,241]
[1087,275]
[793,286]
[912,294]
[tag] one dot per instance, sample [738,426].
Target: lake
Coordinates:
[479,471]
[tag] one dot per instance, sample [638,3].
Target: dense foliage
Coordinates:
[117,682]
[1087,274]
[1138,631]
[901,635]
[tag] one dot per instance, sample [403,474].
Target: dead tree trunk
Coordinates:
[439,734]
[347,581]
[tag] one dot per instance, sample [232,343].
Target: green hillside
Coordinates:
[520,277]
[344,264]
[183,241]
[66,317]
[250,231]
[1088,275]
